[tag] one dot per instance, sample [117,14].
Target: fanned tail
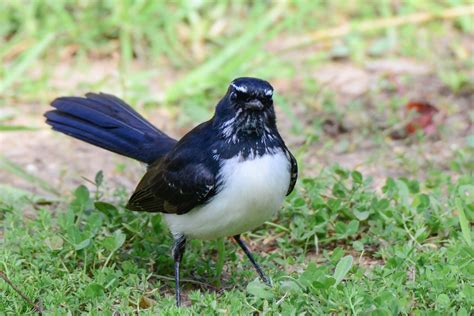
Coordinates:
[106,121]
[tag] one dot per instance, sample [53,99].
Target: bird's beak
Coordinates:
[254,104]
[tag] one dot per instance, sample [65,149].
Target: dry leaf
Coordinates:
[146,302]
[423,120]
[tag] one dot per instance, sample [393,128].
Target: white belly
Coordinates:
[252,191]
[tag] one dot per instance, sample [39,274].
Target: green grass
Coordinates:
[204,44]
[336,247]
[342,244]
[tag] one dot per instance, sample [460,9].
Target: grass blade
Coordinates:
[196,79]
[342,267]
[25,61]
[220,260]
[463,222]
[17,170]
[13,196]
[16,128]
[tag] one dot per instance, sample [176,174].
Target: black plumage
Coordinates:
[107,122]
[185,176]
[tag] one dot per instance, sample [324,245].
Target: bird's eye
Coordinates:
[237,95]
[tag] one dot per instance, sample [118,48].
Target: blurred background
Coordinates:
[385,87]
[374,98]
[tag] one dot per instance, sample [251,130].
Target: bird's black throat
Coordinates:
[246,133]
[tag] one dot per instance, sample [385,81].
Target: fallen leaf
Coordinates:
[420,116]
[423,120]
[146,302]
[54,242]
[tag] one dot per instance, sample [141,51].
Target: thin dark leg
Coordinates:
[177,252]
[262,275]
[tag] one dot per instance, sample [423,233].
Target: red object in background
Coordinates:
[423,120]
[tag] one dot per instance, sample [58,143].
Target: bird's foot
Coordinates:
[266,280]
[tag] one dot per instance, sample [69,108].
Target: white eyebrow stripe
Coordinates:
[239,88]
[268,92]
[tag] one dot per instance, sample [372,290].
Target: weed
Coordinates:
[337,247]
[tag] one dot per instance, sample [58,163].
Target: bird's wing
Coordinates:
[174,187]
[293,171]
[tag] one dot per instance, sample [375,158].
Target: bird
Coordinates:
[226,176]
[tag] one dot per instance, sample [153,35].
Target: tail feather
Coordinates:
[114,107]
[89,116]
[108,122]
[83,130]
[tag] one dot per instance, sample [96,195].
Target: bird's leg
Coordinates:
[177,252]
[262,275]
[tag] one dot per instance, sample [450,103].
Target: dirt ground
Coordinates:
[65,162]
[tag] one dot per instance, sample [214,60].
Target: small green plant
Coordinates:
[338,247]
[344,242]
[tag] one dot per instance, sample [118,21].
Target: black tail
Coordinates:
[106,121]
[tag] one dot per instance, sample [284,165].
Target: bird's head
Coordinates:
[246,109]
[250,94]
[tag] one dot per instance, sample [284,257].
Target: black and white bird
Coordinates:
[226,176]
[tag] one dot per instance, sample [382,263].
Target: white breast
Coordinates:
[251,192]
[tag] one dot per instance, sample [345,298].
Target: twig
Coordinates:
[37,307]
[277,226]
[372,25]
